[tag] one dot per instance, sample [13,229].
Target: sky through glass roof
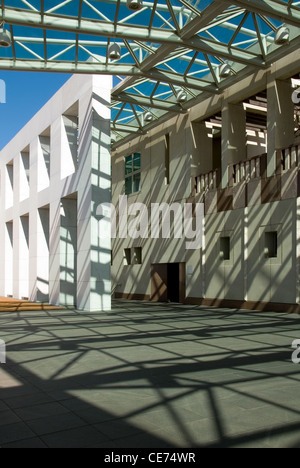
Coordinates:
[168,54]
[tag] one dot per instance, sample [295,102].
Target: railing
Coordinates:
[289,157]
[247,170]
[250,169]
[206,182]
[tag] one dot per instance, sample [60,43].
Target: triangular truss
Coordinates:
[172,53]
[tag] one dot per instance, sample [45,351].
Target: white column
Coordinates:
[23,257]
[94,252]
[42,255]
[234,140]
[54,253]
[9,261]
[298,253]
[68,252]
[280,120]
[202,150]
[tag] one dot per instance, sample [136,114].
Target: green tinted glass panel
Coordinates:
[136,182]
[137,162]
[128,185]
[128,165]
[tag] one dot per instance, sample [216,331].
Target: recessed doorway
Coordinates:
[168,282]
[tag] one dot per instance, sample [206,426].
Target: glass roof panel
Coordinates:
[166,46]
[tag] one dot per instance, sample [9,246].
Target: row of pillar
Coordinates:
[280,132]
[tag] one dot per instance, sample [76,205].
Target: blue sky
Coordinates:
[26,93]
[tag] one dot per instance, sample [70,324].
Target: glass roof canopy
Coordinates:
[165,55]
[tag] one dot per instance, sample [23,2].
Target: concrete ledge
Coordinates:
[132,297]
[247,305]
[223,303]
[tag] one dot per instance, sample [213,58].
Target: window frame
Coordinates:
[133,172]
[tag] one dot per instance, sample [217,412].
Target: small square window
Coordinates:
[127,256]
[225,248]
[271,244]
[138,255]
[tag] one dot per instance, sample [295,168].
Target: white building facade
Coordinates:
[54,174]
[237,153]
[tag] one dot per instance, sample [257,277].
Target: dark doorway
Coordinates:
[217,151]
[168,282]
[173,282]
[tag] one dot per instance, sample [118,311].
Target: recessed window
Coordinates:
[138,255]
[127,256]
[225,248]
[132,173]
[271,244]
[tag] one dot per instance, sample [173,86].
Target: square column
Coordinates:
[68,251]
[234,140]
[202,150]
[94,251]
[280,120]
[40,241]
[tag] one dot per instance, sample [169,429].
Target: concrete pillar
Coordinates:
[234,140]
[298,253]
[68,251]
[55,210]
[43,162]
[94,251]
[280,120]
[33,236]
[42,255]
[8,259]
[202,150]
[24,175]
[54,253]
[9,185]
[23,263]
[69,146]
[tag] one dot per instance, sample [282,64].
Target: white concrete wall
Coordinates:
[248,275]
[30,209]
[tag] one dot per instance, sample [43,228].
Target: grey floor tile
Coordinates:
[27,443]
[8,417]
[35,398]
[150,375]
[14,432]
[55,423]
[83,437]
[40,411]
[117,429]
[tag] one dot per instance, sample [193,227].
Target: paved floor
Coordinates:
[149,375]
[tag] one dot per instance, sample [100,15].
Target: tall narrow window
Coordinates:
[132,173]
[167,159]
[225,248]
